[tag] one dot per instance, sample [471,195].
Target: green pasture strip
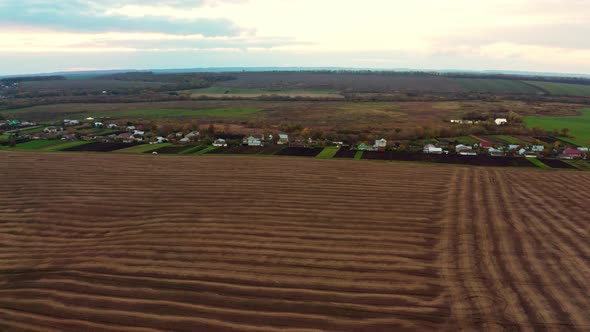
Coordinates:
[583,165]
[538,163]
[202,152]
[191,150]
[28,130]
[571,141]
[358,155]
[142,148]
[327,153]
[38,145]
[508,139]
[64,145]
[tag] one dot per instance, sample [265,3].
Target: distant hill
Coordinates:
[270,69]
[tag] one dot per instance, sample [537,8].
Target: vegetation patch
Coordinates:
[583,165]
[142,148]
[37,145]
[328,153]
[221,90]
[538,163]
[563,89]
[578,126]
[166,113]
[508,139]
[496,86]
[64,145]
[171,149]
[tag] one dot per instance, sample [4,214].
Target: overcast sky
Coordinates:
[531,35]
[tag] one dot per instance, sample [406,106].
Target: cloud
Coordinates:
[88,16]
[566,35]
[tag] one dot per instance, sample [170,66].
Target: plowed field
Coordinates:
[212,243]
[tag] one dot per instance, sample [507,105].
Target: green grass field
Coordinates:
[229,90]
[142,148]
[564,89]
[579,126]
[28,130]
[571,141]
[191,150]
[328,153]
[358,155]
[495,86]
[64,145]
[583,165]
[202,152]
[538,163]
[166,113]
[508,139]
[38,145]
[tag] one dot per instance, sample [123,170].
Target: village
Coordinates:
[124,135]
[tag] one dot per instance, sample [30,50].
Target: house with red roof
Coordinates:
[486,145]
[571,154]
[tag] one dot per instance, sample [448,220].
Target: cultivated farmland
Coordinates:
[285,244]
[579,126]
[563,89]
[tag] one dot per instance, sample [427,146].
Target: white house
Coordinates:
[131,128]
[496,152]
[185,140]
[138,133]
[463,148]
[192,135]
[537,148]
[583,149]
[253,140]
[380,144]
[68,122]
[501,121]
[112,126]
[513,147]
[283,139]
[161,139]
[98,124]
[432,149]
[51,130]
[219,142]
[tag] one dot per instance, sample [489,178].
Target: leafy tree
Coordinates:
[565,132]
[211,129]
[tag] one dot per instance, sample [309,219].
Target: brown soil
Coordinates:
[146,243]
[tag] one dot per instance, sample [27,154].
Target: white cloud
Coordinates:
[544,35]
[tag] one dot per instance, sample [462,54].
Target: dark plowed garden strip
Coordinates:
[480,160]
[100,147]
[170,149]
[345,152]
[554,163]
[299,152]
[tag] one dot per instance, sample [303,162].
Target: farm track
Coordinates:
[137,243]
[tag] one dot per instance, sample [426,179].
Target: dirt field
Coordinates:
[145,243]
